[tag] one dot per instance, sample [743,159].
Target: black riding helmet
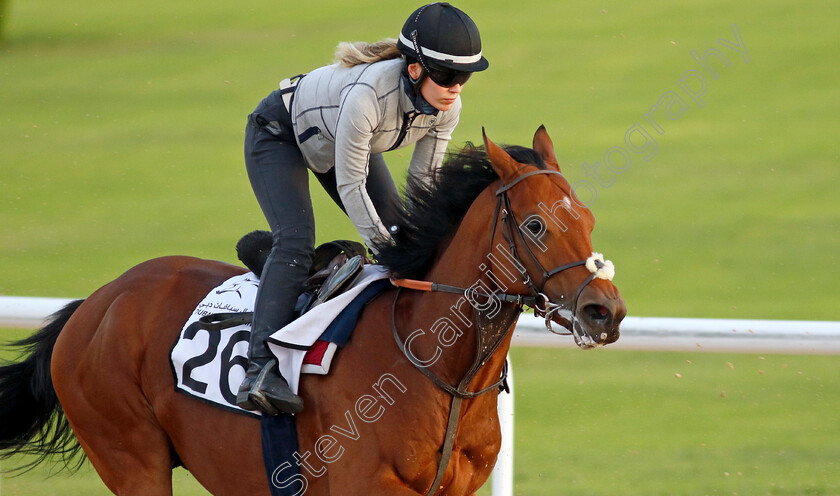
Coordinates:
[445,41]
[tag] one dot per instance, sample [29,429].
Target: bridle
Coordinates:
[538,300]
[542,305]
[491,336]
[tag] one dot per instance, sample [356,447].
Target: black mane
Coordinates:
[434,210]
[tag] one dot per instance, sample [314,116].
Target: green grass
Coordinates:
[648,423]
[121,134]
[642,423]
[121,129]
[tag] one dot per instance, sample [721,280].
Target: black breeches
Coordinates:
[280,179]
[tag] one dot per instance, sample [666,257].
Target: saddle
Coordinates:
[336,265]
[204,368]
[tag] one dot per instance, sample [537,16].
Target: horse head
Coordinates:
[546,234]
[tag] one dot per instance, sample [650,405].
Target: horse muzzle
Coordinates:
[593,317]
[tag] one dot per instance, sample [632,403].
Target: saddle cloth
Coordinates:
[210,364]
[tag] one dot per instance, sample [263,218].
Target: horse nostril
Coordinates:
[597,313]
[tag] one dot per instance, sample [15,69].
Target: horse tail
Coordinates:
[31,418]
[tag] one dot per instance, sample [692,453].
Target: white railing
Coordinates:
[653,333]
[21,312]
[795,336]
[502,481]
[789,336]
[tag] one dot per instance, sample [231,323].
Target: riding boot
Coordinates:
[264,388]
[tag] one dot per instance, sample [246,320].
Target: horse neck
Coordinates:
[452,323]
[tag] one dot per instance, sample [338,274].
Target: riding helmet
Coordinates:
[442,37]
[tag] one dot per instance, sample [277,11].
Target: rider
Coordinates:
[336,121]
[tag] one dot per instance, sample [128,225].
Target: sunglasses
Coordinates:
[448,79]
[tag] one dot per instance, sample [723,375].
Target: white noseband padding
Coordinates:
[603,269]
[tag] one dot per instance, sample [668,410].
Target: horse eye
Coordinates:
[534,226]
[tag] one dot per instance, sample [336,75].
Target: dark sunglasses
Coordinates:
[448,79]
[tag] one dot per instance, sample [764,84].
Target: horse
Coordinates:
[410,405]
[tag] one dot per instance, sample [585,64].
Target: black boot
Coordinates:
[281,279]
[264,389]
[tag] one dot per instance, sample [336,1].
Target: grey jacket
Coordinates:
[343,115]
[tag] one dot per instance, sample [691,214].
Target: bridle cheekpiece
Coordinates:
[540,302]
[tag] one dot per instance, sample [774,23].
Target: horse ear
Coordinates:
[544,146]
[504,165]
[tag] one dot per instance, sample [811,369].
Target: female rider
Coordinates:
[336,121]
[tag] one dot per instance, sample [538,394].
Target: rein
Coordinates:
[488,341]
[491,336]
[434,287]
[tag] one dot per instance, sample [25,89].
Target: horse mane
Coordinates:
[436,205]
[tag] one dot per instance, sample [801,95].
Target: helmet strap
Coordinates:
[419,52]
[412,89]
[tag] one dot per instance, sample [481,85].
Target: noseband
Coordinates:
[538,300]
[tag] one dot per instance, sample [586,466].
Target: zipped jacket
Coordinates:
[343,115]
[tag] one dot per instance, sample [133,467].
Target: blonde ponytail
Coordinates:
[351,54]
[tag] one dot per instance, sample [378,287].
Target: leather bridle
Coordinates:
[542,305]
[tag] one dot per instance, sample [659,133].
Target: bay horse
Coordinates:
[409,407]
